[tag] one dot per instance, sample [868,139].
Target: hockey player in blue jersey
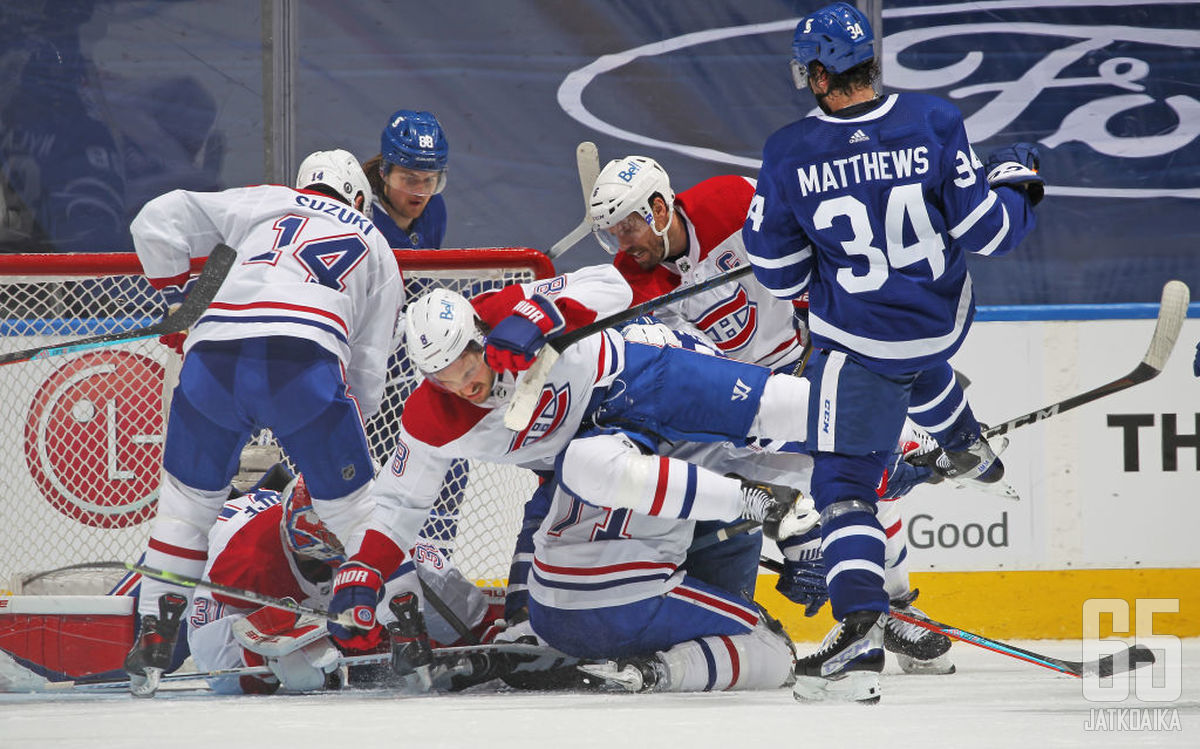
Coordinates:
[408,177]
[871,207]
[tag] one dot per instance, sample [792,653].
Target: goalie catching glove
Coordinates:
[1017,166]
[295,647]
[515,341]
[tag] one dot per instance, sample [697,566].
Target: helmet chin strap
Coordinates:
[666,240]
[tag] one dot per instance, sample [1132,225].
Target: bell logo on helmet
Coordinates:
[630,171]
[447,312]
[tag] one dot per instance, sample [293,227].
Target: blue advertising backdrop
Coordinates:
[106,103]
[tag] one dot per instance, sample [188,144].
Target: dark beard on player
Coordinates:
[821,102]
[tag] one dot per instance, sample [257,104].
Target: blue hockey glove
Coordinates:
[1196,364]
[516,340]
[901,477]
[176,290]
[1017,166]
[357,588]
[803,578]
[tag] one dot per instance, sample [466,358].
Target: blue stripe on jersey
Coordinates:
[711,662]
[689,494]
[654,577]
[277,318]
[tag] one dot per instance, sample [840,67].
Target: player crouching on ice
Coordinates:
[272,542]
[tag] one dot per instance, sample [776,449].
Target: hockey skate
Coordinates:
[848,663]
[918,650]
[151,654]
[637,674]
[977,465]
[784,512]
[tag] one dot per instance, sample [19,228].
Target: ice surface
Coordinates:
[993,701]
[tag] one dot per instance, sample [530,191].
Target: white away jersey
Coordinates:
[308,267]
[742,318]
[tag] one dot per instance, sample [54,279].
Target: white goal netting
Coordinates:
[81,435]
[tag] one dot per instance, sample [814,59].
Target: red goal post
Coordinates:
[81,435]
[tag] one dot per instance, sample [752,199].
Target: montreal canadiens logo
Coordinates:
[730,323]
[93,438]
[550,411]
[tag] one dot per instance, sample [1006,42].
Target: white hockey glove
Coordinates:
[296,648]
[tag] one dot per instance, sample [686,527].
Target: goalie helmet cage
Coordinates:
[81,435]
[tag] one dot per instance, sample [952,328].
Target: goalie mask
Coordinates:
[304,532]
[340,171]
[623,200]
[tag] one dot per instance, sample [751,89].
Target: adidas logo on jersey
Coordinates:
[859,137]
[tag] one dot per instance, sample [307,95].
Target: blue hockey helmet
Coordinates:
[415,140]
[838,36]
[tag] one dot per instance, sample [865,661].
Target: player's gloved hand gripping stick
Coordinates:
[529,386]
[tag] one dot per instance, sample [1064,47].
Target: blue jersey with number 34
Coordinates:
[873,215]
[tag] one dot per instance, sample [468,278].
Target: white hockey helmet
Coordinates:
[339,170]
[626,187]
[440,326]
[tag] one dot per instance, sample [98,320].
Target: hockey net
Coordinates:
[81,435]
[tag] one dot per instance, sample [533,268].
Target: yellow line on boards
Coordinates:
[1025,604]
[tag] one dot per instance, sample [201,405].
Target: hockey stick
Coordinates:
[529,386]
[1131,658]
[344,619]
[587,160]
[1171,313]
[203,291]
[443,655]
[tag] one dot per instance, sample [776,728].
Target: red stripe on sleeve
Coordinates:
[660,489]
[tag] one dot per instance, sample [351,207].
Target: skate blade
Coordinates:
[627,678]
[939,666]
[999,488]
[856,686]
[147,685]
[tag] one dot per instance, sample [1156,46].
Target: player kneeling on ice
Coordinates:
[611,390]
[271,541]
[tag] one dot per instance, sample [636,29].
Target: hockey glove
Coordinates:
[174,291]
[900,477]
[802,580]
[516,340]
[1196,364]
[357,588]
[1017,166]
